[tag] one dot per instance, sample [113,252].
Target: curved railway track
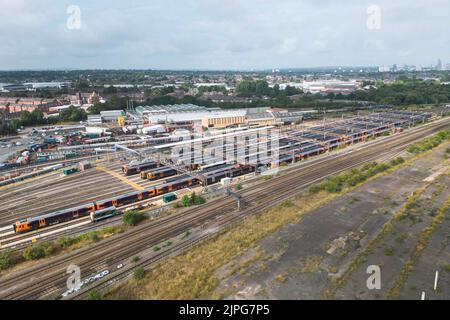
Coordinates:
[47,279]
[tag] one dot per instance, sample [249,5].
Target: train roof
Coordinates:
[52,214]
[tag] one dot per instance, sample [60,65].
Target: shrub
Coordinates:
[7,259]
[429,143]
[238,186]
[93,236]
[132,218]
[197,200]
[94,295]
[65,242]
[38,251]
[139,274]
[186,201]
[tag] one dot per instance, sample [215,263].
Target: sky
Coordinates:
[221,34]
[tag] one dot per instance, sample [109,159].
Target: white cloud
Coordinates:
[220,34]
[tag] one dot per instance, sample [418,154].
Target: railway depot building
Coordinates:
[189,115]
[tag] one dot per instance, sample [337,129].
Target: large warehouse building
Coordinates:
[187,116]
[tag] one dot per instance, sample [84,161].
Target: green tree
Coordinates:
[38,251]
[186,201]
[132,218]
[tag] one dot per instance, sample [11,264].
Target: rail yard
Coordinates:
[71,199]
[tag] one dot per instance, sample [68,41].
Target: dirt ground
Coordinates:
[301,259]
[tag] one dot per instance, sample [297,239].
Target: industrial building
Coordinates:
[222,122]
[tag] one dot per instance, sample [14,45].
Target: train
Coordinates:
[158,173]
[35,223]
[104,214]
[132,169]
[227,172]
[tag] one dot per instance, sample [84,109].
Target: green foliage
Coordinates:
[250,88]
[429,143]
[132,218]
[38,251]
[194,199]
[94,295]
[72,114]
[114,103]
[66,242]
[8,259]
[238,186]
[354,177]
[186,201]
[135,259]
[9,127]
[139,274]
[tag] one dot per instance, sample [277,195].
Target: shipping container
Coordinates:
[169,197]
[69,171]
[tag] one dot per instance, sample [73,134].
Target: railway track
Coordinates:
[48,278]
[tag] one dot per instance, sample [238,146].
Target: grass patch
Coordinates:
[139,274]
[94,295]
[280,278]
[311,264]
[446,267]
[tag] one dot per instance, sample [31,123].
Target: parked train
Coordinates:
[35,223]
[130,170]
[103,214]
[158,173]
[228,172]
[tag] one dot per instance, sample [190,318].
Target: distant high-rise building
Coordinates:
[394,68]
[439,65]
[447,66]
[383,68]
[419,68]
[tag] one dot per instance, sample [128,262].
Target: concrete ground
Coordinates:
[299,260]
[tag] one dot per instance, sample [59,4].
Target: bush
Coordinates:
[186,201]
[354,177]
[194,199]
[38,251]
[197,200]
[135,259]
[7,259]
[94,295]
[65,242]
[139,274]
[429,143]
[132,218]
[93,236]
[238,186]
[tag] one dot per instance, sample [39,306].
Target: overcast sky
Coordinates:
[222,34]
